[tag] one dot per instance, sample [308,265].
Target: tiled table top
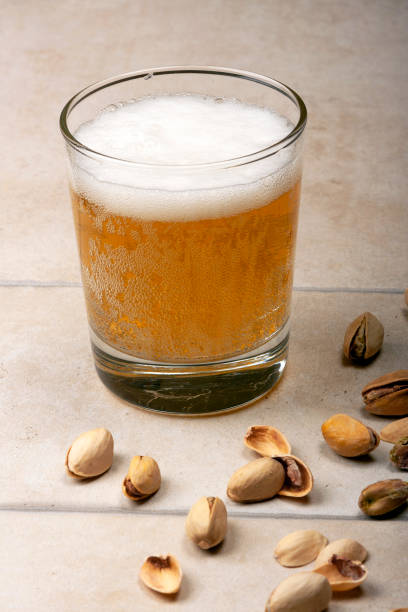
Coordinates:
[68,545]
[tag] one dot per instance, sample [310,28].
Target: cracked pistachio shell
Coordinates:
[298,478]
[348,436]
[162,574]
[299,547]
[301,592]
[267,441]
[258,480]
[345,548]
[388,394]
[143,478]
[206,523]
[91,454]
[399,453]
[383,496]
[363,337]
[343,574]
[393,432]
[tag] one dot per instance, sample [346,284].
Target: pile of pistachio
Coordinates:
[385,396]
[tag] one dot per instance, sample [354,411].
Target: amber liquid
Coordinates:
[196,290]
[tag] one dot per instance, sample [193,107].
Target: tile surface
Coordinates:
[91,562]
[52,394]
[354,214]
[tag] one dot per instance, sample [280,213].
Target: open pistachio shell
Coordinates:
[363,338]
[143,478]
[256,481]
[388,394]
[343,574]
[300,592]
[299,547]
[345,548]
[206,523]
[298,478]
[267,441]
[348,436]
[162,574]
[393,432]
[91,454]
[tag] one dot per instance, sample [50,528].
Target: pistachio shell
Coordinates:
[388,394]
[299,547]
[343,574]
[399,453]
[395,431]
[301,592]
[256,481]
[298,477]
[143,478]
[267,441]
[383,496]
[406,302]
[206,523]
[345,548]
[162,574]
[400,609]
[363,338]
[91,454]
[349,437]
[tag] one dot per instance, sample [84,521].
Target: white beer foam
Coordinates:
[182,129]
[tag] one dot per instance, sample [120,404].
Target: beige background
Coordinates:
[68,546]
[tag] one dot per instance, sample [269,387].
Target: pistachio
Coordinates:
[301,592]
[91,454]
[267,441]
[400,609]
[206,522]
[343,574]
[256,481]
[406,296]
[388,394]
[143,478]
[395,431]
[349,437]
[162,574]
[300,547]
[383,496]
[363,338]
[344,548]
[399,454]
[298,477]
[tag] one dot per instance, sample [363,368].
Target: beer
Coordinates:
[190,262]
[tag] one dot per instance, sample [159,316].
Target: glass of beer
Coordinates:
[185,186]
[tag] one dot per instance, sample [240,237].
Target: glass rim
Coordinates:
[217,70]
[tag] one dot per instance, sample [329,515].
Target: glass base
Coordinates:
[192,390]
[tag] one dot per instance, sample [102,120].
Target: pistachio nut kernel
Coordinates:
[143,478]
[388,394]
[363,338]
[346,548]
[162,574]
[206,523]
[399,454]
[256,481]
[348,436]
[383,496]
[267,441]
[299,547]
[300,592]
[343,574]
[298,477]
[91,454]
[393,432]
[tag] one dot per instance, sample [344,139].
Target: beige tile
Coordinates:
[354,218]
[50,393]
[69,561]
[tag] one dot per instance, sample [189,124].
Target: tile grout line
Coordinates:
[181,512]
[301,289]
